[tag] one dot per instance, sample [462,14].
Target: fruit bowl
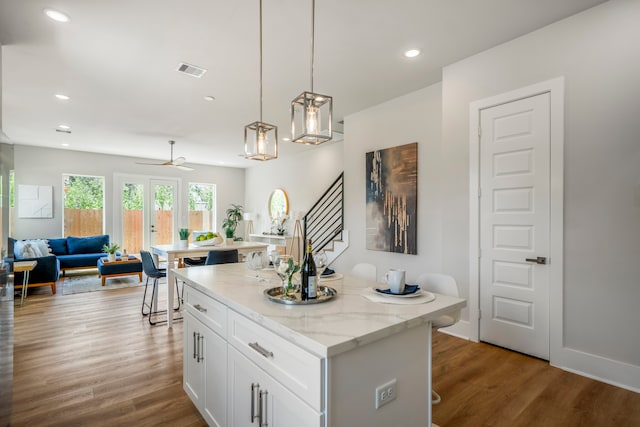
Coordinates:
[209,242]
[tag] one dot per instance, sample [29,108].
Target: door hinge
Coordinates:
[479,314]
[479,132]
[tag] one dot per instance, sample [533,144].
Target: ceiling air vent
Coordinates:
[192,70]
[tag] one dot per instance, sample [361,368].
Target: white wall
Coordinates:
[415,117]
[597,53]
[304,176]
[44,166]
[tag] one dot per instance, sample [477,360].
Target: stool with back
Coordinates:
[153,272]
[445,285]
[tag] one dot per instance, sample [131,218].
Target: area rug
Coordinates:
[77,284]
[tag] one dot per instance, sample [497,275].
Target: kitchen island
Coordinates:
[249,361]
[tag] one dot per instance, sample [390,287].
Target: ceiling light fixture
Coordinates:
[256,135]
[412,53]
[311,113]
[62,97]
[209,98]
[57,15]
[64,126]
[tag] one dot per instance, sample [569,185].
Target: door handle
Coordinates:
[254,388]
[537,260]
[261,402]
[260,349]
[200,346]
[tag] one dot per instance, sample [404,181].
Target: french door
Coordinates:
[145,211]
[162,212]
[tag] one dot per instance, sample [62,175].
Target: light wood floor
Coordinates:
[91,360]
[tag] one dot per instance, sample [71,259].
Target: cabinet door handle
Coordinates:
[254,388]
[263,402]
[194,345]
[263,351]
[200,308]
[200,348]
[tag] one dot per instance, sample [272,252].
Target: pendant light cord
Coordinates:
[313,33]
[260,60]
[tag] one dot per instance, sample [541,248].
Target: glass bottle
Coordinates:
[309,287]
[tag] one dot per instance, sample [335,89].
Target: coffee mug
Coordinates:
[395,280]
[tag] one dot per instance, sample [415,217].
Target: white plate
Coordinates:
[413,295]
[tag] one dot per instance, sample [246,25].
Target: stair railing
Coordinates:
[325,220]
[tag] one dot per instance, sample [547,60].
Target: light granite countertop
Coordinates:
[347,321]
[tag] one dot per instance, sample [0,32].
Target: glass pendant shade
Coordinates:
[260,138]
[311,117]
[260,141]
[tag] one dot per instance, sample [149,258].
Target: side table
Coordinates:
[26,267]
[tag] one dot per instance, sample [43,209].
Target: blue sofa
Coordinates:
[67,254]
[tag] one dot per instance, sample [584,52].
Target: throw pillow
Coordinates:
[18,249]
[87,245]
[41,247]
[59,246]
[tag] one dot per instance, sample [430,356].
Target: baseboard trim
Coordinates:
[460,329]
[599,368]
[588,365]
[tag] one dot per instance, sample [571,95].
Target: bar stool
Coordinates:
[150,269]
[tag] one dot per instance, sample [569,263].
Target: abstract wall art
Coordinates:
[35,201]
[392,199]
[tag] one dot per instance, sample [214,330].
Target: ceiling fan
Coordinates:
[177,163]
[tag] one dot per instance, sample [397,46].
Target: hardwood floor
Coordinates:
[483,385]
[92,360]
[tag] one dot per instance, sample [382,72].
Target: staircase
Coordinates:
[324,223]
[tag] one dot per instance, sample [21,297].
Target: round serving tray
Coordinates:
[276,294]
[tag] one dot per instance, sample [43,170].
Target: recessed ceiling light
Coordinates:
[209,98]
[64,126]
[62,96]
[412,53]
[65,144]
[57,15]
[286,139]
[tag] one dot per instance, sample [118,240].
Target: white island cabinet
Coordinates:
[251,362]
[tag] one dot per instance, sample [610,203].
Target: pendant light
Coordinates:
[311,113]
[260,138]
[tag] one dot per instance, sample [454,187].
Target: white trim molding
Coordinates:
[555,88]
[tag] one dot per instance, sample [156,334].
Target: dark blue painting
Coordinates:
[392,199]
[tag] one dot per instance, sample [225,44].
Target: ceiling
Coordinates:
[117,61]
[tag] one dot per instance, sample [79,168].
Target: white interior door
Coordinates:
[514,225]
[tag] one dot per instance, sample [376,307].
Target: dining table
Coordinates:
[173,252]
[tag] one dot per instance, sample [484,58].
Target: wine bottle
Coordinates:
[309,275]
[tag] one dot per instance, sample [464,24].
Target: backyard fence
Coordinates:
[88,222]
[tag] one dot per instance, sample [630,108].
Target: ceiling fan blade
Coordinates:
[152,164]
[177,163]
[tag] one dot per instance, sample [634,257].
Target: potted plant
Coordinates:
[111,250]
[234,215]
[184,237]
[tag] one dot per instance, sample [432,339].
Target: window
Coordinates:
[83,205]
[202,212]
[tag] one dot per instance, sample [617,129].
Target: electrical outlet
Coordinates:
[385,393]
